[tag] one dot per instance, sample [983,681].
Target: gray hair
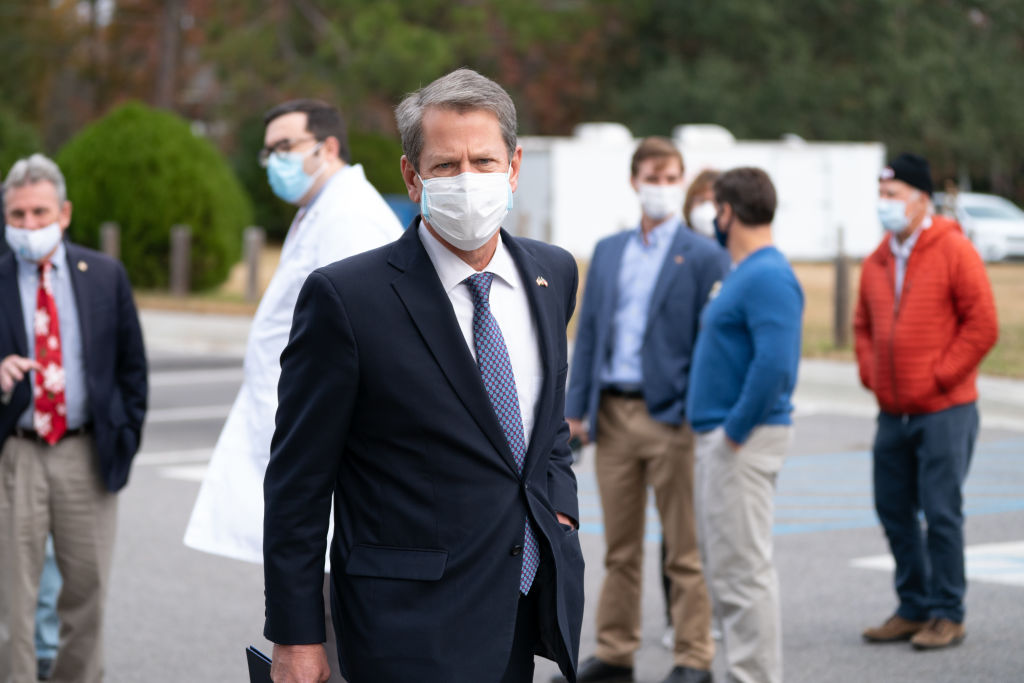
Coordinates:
[34,169]
[462,90]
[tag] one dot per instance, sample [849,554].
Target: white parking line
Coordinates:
[989,562]
[188,414]
[171,378]
[196,455]
[184,472]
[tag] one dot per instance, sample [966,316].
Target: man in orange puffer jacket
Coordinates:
[925,319]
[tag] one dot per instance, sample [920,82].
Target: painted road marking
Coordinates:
[188,414]
[184,472]
[989,562]
[833,491]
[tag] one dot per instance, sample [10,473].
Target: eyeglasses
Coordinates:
[280,147]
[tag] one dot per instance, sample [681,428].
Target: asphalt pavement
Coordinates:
[176,614]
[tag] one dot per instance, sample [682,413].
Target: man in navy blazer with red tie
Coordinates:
[423,387]
[71,413]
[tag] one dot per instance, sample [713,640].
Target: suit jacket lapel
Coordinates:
[670,268]
[430,309]
[78,269]
[540,306]
[10,304]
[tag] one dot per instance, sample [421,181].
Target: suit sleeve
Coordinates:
[977,327]
[316,394]
[132,379]
[583,351]
[561,480]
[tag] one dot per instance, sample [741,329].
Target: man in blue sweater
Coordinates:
[744,370]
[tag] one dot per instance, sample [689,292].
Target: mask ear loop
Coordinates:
[424,209]
[323,162]
[508,184]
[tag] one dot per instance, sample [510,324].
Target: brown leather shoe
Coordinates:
[939,633]
[894,629]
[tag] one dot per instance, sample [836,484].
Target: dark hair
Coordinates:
[750,193]
[655,148]
[322,121]
[704,181]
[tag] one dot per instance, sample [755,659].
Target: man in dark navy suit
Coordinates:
[645,290]
[423,386]
[72,401]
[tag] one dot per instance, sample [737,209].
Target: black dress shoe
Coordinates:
[44,668]
[684,674]
[593,670]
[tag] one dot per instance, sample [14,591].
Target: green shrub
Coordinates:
[146,170]
[380,157]
[17,140]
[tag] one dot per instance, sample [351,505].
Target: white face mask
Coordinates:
[661,201]
[466,210]
[33,245]
[702,218]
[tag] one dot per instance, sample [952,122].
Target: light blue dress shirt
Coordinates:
[72,357]
[641,265]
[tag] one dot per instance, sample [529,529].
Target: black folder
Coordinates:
[259,666]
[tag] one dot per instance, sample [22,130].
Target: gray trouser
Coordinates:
[735,511]
[54,489]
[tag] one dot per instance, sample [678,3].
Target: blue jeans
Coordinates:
[920,464]
[47,622]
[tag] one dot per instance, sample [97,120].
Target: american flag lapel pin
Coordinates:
[541,282]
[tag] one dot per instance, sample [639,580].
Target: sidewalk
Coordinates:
[825,387]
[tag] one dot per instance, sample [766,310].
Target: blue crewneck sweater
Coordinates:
[748,349]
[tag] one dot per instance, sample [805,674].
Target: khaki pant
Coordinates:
[635,451]
[735,511]
[54,489]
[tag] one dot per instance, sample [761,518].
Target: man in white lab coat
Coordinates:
[340,214]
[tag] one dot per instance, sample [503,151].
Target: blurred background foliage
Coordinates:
[942,77]
[146,170]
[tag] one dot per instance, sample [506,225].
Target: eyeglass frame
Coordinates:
[282,147]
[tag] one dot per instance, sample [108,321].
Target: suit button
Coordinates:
[516,550]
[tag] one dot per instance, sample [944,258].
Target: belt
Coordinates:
[620,391]
[33,435]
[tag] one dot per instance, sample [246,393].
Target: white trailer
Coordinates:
[575,190]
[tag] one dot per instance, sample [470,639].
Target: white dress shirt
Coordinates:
[510,308]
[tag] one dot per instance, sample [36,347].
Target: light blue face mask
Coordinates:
[288,179]
[892,213]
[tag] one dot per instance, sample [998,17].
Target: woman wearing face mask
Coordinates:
[699,205]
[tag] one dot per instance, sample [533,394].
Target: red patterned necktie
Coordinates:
[50,416]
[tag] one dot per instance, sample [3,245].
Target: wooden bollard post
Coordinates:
[841,306]
[181,245]
[253,240]
[110,239]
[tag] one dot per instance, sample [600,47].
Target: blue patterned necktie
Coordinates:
[496,370]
